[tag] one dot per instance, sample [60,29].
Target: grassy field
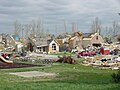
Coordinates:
[69,77]
[63,53]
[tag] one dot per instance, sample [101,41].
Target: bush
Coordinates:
[118,38]
[116,77]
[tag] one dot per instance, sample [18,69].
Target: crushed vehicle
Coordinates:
[86,53]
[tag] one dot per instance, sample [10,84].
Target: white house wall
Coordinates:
[50,47]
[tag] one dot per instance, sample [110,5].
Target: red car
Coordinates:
[86,53]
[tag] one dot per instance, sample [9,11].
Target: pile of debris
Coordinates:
[103,62]
[66,59]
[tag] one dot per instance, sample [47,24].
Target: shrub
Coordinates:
[118,38]
[116,77]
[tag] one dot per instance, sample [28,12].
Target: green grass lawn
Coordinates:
[69,77]
[63,53]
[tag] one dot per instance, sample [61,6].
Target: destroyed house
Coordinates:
[7,40]
[76,40]
[92,39]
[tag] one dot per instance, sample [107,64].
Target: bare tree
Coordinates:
[39,27]
[56,29]
[96,26]
[27,29]
[115,28]
[65,26]
[33,28]
[74,27]
[17,28]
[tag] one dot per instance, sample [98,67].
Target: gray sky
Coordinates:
[54,12]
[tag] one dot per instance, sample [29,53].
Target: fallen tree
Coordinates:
[66,59]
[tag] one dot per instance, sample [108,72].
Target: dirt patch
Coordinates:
[33,74]
[16,65]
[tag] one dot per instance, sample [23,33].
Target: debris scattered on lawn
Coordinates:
[103,62]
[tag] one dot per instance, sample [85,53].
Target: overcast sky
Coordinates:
[54,12]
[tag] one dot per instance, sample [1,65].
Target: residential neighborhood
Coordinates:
[74,43]
[59,45]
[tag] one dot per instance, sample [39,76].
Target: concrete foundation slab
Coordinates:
[33,74]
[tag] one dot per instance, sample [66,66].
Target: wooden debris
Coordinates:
[66,59]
